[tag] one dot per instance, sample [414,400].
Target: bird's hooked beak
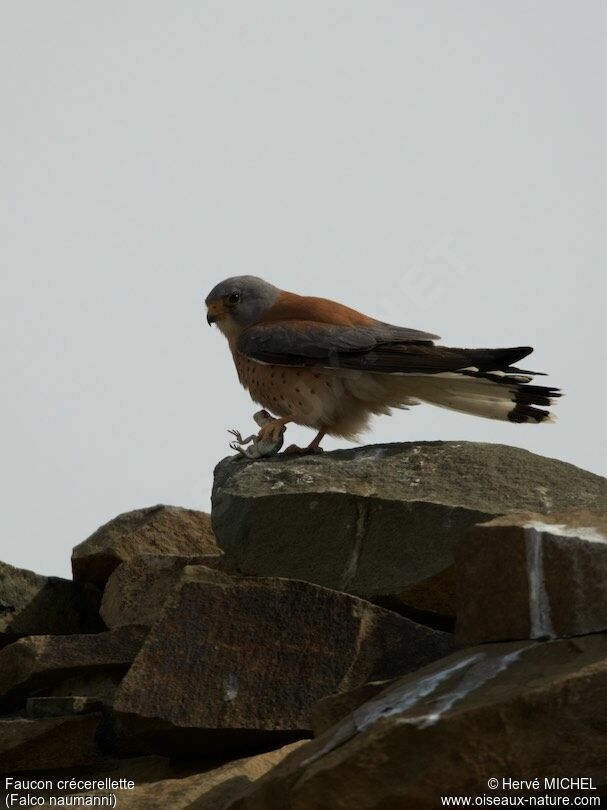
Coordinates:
[214,310]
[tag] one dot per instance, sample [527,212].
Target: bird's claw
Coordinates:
[294,450]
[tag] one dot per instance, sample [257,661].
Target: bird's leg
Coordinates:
[272,430]
[313,447]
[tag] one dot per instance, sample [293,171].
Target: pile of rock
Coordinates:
[200,662]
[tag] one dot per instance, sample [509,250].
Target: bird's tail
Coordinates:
[481,382]
[502,394]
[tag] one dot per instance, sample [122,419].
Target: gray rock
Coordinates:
[536,710]
[381,521]
[238,663]
[155,530]
[41,664]
[31,604]
[137,590]
[533,576]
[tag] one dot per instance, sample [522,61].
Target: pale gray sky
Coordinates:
[437,164]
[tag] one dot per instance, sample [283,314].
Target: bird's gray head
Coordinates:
[238,302]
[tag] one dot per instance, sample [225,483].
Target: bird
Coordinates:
[320,364]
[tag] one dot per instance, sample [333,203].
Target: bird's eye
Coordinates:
[234,298]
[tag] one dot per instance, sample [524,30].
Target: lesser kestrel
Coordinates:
[320,364]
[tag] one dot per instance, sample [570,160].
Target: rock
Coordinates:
[58,742]
[156,530]
[432,595]
[31,604]
[381,521]
[137,590]
[213,789]
[61,706]
[244,660]
[333,708]
[39,664]
[485,712]
[555,585]
[140,770]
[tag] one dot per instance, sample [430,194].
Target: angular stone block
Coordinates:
[381,522]
[212,789]
[533,576]
[137,590]
[537,710]
[155,530]
[45,744]
[32,604]
[38,663]
[236,663]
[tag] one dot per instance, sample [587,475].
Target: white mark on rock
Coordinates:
[351,567]
[400,701]
[588,533]
[372,453]
[477,675]
[539,603]
[278,485]
[230,688]
[477,670]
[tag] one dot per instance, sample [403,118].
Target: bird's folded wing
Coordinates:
[380,348]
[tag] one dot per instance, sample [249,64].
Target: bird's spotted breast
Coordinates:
[308,396]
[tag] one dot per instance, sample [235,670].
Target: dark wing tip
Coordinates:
[390,331]
[520,351]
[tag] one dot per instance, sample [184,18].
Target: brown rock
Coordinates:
[213,789]
[381,521]
[36,745]
[137,590]
[555,584]
[435,594]
[243,661]
[140,770]
[39,664]
[537,710]
[333,708]
[61,706]
[31,604]
[155,530]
